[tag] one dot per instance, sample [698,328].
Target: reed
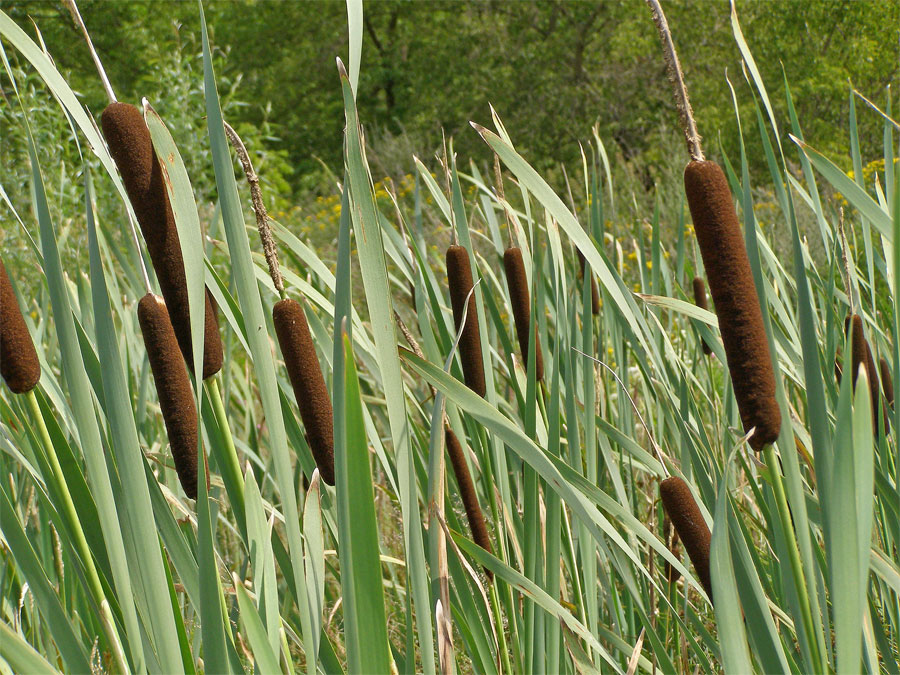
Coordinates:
[517,282]
[132,150]
[305,374]
[467,492]
[682,509]
[459,278]
[737,304]
[701,301]
[19,363]
[173,387]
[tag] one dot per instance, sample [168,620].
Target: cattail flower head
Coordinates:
[517,282]
[19,363]
[459,278]
[887,382]
[737,304]
[306,378]
[173,387]
[701,302]
[682,510]
[132,149]
[862,356]
[467,492]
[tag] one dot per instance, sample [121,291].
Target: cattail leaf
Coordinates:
[262,560]
[20,655]
[314,555]
[263,653]
[361,579]
[257,336]
[378,299]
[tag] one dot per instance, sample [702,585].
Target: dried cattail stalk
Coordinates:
[674,546]
[132,149]
[308,382]
[887,382]
[467,492]
[173,387]
[862,356]
[595,289]
[734,294]
[682,509]
[459,278]
[517,282]
[701,302]
[19,363]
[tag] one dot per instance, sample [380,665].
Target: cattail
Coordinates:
[887,382]
[521,307]
[467,492]
[734,294]
[173,386]
[306,378]
[682,509]
[132,149]
[862,356]
[838,368]
[701,302]
[19,363]
[674,546]
[459,277]
[595,289]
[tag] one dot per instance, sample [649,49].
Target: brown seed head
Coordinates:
[701,302]
[459,278]
[132,149]
[173,387]
[682,509]
[862,356]
[467,493]
[306,378]
[734,294]
[19,363]
[517,283]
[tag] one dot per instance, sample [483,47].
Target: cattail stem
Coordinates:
[19,364]
[517,282]
[228,459]
[701,302]
[132,149]
[306,378]
[173,387]
[459,277]
[681,508]
[76,17]
[259,208]
[676,77]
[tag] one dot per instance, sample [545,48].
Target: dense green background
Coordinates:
[551,70]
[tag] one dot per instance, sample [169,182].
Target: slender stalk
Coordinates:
[69,513]
[794,555]
[228,460]
[505,665]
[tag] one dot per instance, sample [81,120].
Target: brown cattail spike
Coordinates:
[887,382]
[701,302]
[682,510]
[595,289]
[306,378]
[131,148]
[737,305]
[467,493]
[862,356]
[521,307]
[459,277]
[173,386]
[19,363]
